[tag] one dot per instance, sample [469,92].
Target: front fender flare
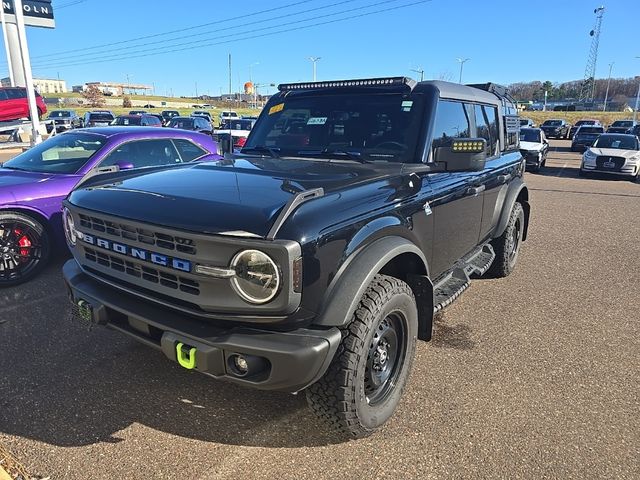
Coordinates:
[343,295]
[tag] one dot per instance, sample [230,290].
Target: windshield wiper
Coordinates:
[274,152]
[351,155]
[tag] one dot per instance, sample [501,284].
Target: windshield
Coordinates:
[590,130]
[528,135]
[239,124]
[65,153]
[59,114]
[619,142]
[372,126]
[524,121]
[622,123]
[229,114]
[552,123]
[585,122]
[183,123]
[133,120]
[170,113]
[100,117]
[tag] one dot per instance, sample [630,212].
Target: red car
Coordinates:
[14,104]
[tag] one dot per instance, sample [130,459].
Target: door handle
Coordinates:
[504,178]
[475,190]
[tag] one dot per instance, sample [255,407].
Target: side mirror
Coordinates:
[122,165]
[463,155]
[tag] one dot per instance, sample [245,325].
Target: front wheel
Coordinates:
[24,248]
[364,383]
[507,245]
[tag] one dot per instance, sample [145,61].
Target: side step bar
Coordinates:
[451,286]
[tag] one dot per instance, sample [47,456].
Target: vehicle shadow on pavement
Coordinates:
[451,336]
[69,386]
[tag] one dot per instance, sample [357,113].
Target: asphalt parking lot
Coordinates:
[532,376]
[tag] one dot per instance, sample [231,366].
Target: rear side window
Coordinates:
[3,95]
[15,93]
[491,114]
[188,150]
[452,121]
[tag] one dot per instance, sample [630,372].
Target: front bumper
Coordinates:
[625,170]
[532,159]
[285,361]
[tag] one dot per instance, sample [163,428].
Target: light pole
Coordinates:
[421,72]
[462,62]
[635,110]
[606,95]
[314,60]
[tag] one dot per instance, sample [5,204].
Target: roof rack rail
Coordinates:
[496,89]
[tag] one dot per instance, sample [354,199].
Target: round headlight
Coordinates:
[257,278]
[69,227]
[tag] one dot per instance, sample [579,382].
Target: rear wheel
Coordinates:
[24,248]
[364,383]
[507,245]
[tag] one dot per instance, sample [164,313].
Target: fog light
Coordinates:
[241,364]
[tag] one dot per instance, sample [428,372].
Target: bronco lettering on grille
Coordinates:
[137,253]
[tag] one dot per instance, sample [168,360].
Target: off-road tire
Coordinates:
[339,397]
[44,251]
[506,259]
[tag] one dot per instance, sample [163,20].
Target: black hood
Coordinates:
[241,194]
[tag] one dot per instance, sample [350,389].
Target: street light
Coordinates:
[635,110]
[314,60]
[606,95]
[255,91]
[462,62]
[421,72]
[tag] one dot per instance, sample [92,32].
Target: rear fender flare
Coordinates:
[518,192]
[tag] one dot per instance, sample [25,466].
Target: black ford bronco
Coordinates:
[315,258]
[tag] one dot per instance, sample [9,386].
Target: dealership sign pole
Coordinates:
[17,14]
[12,80]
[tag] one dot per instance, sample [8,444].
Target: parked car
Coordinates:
[613,153]
[98,118]
[235,131]
[63,120]
[149,105]
[141,120]
[168,115]
[196,124]
[14,104]
[621,126]
[227,115]
[556,128]
[137,112]
[583,122]
[534,148]
[33,184]
[313,261]
[585,136]
[635,130]
[527,123]
[202,114]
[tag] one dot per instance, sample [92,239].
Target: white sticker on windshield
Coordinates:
[406,105]
[317,121]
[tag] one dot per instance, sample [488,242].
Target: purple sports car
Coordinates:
[33,184]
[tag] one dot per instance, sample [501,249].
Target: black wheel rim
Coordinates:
[385,358]
[20,250]
[514,241]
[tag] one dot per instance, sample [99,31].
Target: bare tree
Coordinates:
[126,102]
[94,96]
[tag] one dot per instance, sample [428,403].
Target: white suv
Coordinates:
[228,115]
[613,153]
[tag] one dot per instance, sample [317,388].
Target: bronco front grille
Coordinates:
[136,234]
[144,272]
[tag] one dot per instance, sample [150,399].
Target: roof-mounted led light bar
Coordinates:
[367,82]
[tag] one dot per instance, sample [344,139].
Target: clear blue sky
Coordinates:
[506,41]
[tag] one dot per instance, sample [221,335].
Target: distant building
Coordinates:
[117,89]
[42,85]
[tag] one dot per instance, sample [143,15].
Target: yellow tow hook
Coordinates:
[186,359]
